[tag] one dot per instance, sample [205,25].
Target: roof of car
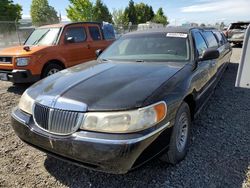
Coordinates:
[170,29]
[66,24]
[245,22]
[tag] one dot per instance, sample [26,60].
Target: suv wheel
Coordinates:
[180,136]
[51,69]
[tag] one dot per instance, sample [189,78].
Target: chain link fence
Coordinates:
[122,29]
[14,33]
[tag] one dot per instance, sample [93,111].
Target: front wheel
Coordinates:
[51,69]
[180,136]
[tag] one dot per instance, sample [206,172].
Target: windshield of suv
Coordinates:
[43,36]
[149,47]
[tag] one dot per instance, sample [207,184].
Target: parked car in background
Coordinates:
[149,25]
[236,32]
[136,101]
[52,48]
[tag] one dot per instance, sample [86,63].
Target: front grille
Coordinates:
[57,121]
[5,60]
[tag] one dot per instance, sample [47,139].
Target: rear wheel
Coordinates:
[51,69]
[180,136]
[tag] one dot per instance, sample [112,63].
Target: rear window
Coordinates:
[95,33]
[224,37]
[200,43]
[210,38]
[108,31]
[220,38]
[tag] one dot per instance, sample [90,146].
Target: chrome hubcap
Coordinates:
[182,134]
[52,71]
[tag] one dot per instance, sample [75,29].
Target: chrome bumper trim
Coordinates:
[118,142]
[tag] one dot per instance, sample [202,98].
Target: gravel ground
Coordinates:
[219,155]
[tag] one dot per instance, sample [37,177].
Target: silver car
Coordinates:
[236,32]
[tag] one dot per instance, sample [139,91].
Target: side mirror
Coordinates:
[70,40]
[98,52]
[209,54]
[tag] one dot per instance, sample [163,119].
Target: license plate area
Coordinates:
[4,76]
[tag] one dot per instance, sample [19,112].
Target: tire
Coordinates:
[179,143]
[51,69]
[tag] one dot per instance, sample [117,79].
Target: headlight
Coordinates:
[22,61]
[26,103]
[126,121]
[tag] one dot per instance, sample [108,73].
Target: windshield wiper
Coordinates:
[38,40]
[103,60]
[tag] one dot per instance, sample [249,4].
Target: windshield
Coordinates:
[149,47]
[43,36]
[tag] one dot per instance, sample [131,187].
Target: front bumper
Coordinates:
[19,76]
[110,153]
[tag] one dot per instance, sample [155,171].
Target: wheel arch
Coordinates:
[53,61]
[189,99]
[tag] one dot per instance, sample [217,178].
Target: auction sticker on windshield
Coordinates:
[179,35]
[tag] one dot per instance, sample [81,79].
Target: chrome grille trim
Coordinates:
[57,121]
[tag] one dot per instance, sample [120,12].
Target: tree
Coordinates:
[42,13]
[130,12]
[144,13]
[10,11]
[151,12]
[118,16]
[101,12]
[202,25]
[80,10]
[160,17]
[125,19]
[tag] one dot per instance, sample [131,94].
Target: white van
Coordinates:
[243,76]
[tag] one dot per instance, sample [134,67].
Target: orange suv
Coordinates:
[52,48]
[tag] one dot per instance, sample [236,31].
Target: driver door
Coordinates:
[75,48]
[203,72]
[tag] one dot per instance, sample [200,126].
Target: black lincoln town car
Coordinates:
[135,102]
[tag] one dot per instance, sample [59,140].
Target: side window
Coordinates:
[209,36]
[200,43]
[218,35]
[95,33]
[224,38]
[77,33]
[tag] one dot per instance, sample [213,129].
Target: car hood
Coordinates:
[19,51]
[103,86]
